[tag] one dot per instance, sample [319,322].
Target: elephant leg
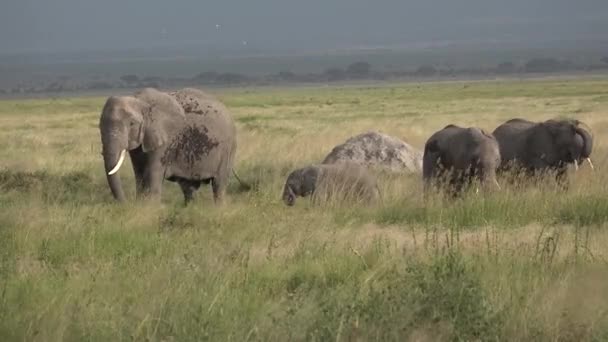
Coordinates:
[561,177]
[439,180]
[459,180]
[430,173]
[426,190]
[153,175]
[219,184]
[188,188]
[138,160]
[450,182]
[429,181]
[456,187]
[518,177]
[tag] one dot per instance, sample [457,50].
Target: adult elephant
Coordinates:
[186,137]
[458,156]
[549,145]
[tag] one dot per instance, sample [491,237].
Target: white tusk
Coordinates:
[590,163]
[119,164]
[575,165]
[497,185]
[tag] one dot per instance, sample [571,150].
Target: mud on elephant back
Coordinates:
[186,137]
[538,148]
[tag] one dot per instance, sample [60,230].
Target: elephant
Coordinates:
[344,180]
[460,155]
[186,137]
[538,147]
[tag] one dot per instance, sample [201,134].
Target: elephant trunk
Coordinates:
[111,162]
[491,185]
[585,153]
[489,181]
[587,142]
[289,196]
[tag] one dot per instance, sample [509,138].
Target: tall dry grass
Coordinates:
[528,263]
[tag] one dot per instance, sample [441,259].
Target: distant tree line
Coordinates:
[360,70]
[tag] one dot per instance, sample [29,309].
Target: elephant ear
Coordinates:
[585,132]
[308,180]
[540,143]
[162,117]
[560,130]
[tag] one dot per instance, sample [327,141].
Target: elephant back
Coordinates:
[206,112]
[160,102]
[482,137]
[206,147]
[512,127]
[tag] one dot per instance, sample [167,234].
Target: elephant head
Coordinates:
[300,183]
[585,137]
[560,142]
[487,162]
[145,120]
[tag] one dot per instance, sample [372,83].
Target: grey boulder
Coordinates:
[376,149]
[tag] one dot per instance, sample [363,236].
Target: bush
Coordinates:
[426,70]
[130,79]
[359,69]
[335,74]
[100,85]
[286,76]
[545,65]
[231,78]
[505,68]
[206,77]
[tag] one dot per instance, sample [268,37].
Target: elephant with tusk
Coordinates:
[549,145]
[186,137]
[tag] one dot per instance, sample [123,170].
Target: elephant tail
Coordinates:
[244,186]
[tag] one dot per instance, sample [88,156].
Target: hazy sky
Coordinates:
[57,25]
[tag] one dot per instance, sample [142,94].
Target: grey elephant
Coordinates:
[186,137]
[342,181]
[549,145]
[457,156]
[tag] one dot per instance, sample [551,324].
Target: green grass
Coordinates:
[527,263]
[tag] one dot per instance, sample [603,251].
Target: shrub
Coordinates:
[130,79]
[359,69]
[426,70]
[545,65]
[335,74]
[505,68]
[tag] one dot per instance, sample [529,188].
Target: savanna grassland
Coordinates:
[526,264]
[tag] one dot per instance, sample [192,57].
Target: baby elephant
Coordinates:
[342,181]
